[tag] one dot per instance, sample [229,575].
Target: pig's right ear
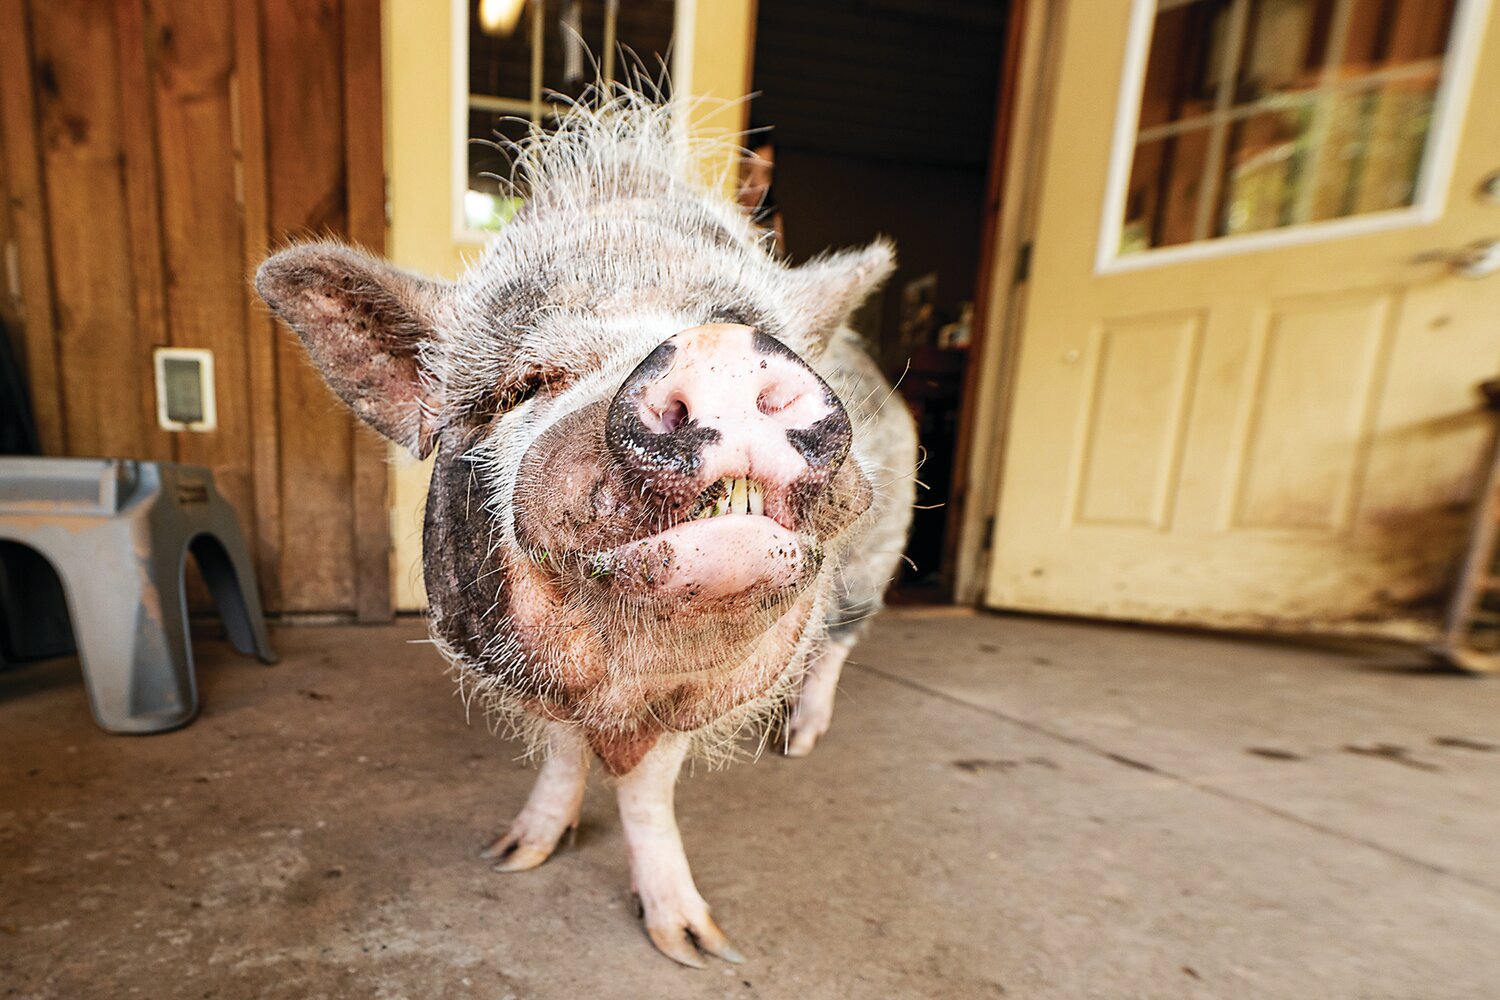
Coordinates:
[368,327]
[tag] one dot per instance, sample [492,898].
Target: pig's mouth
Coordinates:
[730,495]
[674,544]
[730,541]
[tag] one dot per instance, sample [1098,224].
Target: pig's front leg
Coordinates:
[675,914]
[551,809]
[813,712]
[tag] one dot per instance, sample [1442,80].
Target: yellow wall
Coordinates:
[714,51]
[716,68]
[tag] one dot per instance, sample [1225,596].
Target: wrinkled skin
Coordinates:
[665,487]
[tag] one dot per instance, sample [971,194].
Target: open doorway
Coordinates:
[881,117]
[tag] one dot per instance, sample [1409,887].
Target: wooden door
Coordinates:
[1245,393]
[154,150]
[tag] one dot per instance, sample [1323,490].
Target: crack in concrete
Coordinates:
[1090,747]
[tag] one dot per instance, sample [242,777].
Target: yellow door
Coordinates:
[1245,389]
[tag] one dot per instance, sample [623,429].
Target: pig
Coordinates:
[670,486]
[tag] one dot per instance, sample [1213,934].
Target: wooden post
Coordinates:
[364,148]
[260,330]
[28,216]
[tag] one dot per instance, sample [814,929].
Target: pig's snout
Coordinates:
[726,401]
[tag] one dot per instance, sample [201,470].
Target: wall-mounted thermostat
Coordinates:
[185,389]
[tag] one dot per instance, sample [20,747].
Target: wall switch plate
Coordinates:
[185,389]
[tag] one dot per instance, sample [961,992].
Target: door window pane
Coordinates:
[527,56]
[1162,212]
[1262,114]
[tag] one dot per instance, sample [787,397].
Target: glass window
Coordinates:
[1261,114]
[526,55]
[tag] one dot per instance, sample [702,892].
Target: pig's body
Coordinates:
[885,445]
[669,483]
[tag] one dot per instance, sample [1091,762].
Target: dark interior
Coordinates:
[882,114]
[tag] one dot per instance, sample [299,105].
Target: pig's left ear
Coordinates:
[367,326]
[829,288]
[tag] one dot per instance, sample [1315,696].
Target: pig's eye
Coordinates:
[501,401]
[507,399]
[513,397]
[492,405]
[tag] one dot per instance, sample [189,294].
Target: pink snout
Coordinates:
[724,400]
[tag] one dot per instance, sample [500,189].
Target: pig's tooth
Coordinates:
[757,498]
[721,505]
[739,499]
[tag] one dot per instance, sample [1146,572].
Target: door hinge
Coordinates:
[989,534]
[1023,262]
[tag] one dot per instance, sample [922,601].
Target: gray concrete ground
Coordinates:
[1005,807]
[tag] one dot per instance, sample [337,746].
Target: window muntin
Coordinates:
[522,57]
[1258,115]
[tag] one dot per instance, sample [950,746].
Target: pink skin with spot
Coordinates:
[719,379]
[720,557]
[747,397]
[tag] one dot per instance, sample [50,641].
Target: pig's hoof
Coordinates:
[809,724]
[681,935]
[521,849]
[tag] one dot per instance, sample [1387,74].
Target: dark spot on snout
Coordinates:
[677,450]
[739,316]
[766,344]
[652,366]
[826,443]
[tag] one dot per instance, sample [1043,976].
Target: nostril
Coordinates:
[771,402]
[666,417]
[674,416]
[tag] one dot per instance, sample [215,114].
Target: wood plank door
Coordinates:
[325,177]
[1245,392]
[153,151]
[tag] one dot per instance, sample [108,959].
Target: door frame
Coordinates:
[1022,134]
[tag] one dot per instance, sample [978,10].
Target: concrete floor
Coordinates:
[1005,807]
